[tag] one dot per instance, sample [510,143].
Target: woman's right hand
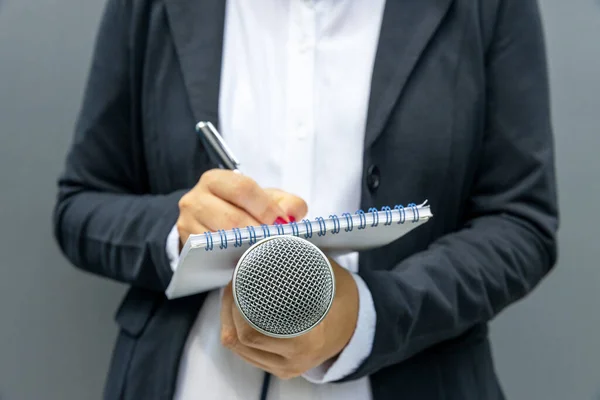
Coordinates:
[223,199]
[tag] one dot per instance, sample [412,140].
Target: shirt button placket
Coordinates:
[298,168]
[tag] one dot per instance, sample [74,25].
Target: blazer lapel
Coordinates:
[197,28]
[406,29]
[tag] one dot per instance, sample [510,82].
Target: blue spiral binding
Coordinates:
[402,213]
[238,237]
[209,241]
[415,212]
[322,226]
[388,215]
[223,237]
[252,237]
[280,230]
[308,225]
[375,217]
[266,230]
[252,234]
[349,222]
[363,219]
[295,230]
[336,224]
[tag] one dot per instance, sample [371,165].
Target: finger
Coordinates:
[292,205]
[256,363]
[216,213]
[245,193]
[263,344]
[230,336]
[282,373]
[262,359]
[228,331]
[187,227]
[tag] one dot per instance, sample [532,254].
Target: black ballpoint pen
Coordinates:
[217,147]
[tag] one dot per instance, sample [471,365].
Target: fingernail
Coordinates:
[291,218]
[280,220]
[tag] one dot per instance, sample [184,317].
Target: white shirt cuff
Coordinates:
[173,247]
[359,347]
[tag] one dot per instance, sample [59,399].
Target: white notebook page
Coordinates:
[207,261]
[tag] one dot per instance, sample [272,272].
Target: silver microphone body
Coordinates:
[283,286]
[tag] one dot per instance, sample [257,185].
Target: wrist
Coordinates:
[344,309]
[358,349]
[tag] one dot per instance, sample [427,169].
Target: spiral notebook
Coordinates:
[207,260]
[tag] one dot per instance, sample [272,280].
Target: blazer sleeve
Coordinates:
[105,220]
[508,243]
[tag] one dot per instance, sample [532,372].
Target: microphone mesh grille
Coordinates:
[284,286]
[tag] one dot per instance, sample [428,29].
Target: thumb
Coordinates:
[292,205]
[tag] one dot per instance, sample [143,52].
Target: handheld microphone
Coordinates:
[283,286]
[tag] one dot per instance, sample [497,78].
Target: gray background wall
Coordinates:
[548,346]
[56,328]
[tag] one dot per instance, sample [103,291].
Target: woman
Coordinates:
[331,106]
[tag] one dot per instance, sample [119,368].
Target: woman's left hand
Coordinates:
[289,358]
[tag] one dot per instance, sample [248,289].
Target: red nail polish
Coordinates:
[280,220]
[291,218]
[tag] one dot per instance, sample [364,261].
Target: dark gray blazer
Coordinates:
[458,114]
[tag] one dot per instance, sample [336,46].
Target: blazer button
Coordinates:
[373,178]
